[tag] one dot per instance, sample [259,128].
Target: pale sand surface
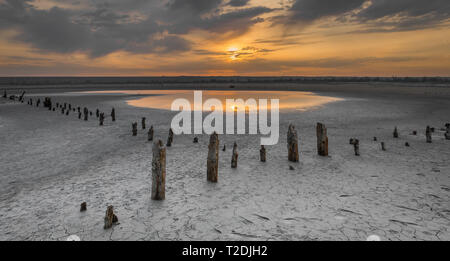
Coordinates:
[51,163]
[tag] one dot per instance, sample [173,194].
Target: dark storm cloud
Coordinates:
[138,27]
[237,3]
[398,15]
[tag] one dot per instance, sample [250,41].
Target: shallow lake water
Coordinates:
[163,99]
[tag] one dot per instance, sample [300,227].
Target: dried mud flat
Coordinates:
[51,163]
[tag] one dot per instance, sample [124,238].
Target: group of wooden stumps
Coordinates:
[159,150]
[65,107]
[428,135]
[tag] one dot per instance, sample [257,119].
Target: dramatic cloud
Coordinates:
[238,2]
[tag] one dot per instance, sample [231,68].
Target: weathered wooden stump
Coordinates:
[150,134]
[433,130]
[355,143]
[375,139]
[54,109]
[224,148]
[159,171]
[170,138]
[291,168]
[428,135]
[78,109]
[447,132]
[79,115]
[62,111]
[383,146]
[234,157]
[213,158]
[143,123]
[38,102]
[322,139]
[113,114]
[292,141]
[407,144]
[395,134]
[83,207]
[5,95]
[48,103]
[110,218]
[134,128]
[195,140]
[97,113]
[262,153]
[102,118]
[70,107]
[90,113]
[67,112]
[414,133]
[86,113]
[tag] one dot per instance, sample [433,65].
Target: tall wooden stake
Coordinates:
[322,140]
[292,141]
[213,158]
[159,171]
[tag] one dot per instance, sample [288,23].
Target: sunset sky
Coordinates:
[224,37]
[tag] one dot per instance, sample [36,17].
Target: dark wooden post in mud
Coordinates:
[213,158]
[224,148]
[383,146]
[5,95]
[150,134]
[79,115]
[110,218]
[234,157]
[38,102]
[113,114]
[83,207]
[395,134]
[70,107]
[86,113]
[355,143]
[97,113]
[67,112]
[170,138]
[428,135]
[159,171]
[48,103]
[21,96]
[292,143]
[262,153]
[143,123]
[134,128]
[447,132]
[62,111]
[102,118]
[31,102]
[195,140]
[322,140]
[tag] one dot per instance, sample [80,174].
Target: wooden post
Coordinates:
[5,95]
[113,114]
[262,153]
[150,134]
[292,141]
[356,147]
[383,146]
[159,171]
[86,113]
[67,112]
[224,148]
[97,113]
[143,123]
[195,140]
[234,157]
[428,135]
[79,115]
[375,139]
[395,133]
[83,207]
[110,218]
[170,138]
[62,111]
[38,102]
[213,158]
[101,118]
[322,140]
[447,132]
[134,128]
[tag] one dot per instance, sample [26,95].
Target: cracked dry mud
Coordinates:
[51,163]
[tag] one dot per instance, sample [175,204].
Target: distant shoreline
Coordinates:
[48,81]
